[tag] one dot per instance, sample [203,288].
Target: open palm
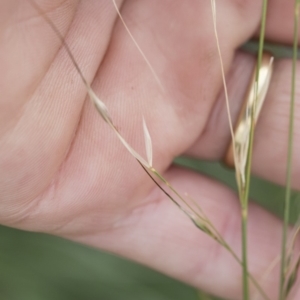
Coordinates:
[64,172]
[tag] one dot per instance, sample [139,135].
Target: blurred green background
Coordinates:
[41,267]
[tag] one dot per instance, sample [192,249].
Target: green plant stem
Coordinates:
[224,244]
[216,235]
[253,280]
[289,158]
[244,254]
[245,192]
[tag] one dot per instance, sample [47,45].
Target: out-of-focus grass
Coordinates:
[40,267]
[278,51]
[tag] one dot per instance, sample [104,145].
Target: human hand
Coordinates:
[62,171]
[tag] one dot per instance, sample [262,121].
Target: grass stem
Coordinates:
[244,254]
[282,293]
[245,193]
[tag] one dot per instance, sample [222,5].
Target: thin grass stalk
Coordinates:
[289,158]
[214,15]
[211,230]
[245,194]
[147,165]
[244,190]
[138,46]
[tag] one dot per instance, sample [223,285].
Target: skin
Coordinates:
[63,171]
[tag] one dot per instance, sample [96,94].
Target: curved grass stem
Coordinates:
[197,216]
[244,193]
[207,226]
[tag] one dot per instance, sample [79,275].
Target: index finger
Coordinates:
[280,21]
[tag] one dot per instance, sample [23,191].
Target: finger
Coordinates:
[27,50]
[97,184]
[280,21]
[50,120]
[90,168]
[36,140]
[271,134]
[157,234]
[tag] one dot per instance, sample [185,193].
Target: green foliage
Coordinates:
[41,267]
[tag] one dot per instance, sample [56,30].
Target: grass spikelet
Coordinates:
[242,139]
[138,46]
[186,204]
[292,278]
[103,111]
[148,143]
[239,175]
[252,107]
[292,262]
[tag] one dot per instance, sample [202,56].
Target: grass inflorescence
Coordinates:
[242,153]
